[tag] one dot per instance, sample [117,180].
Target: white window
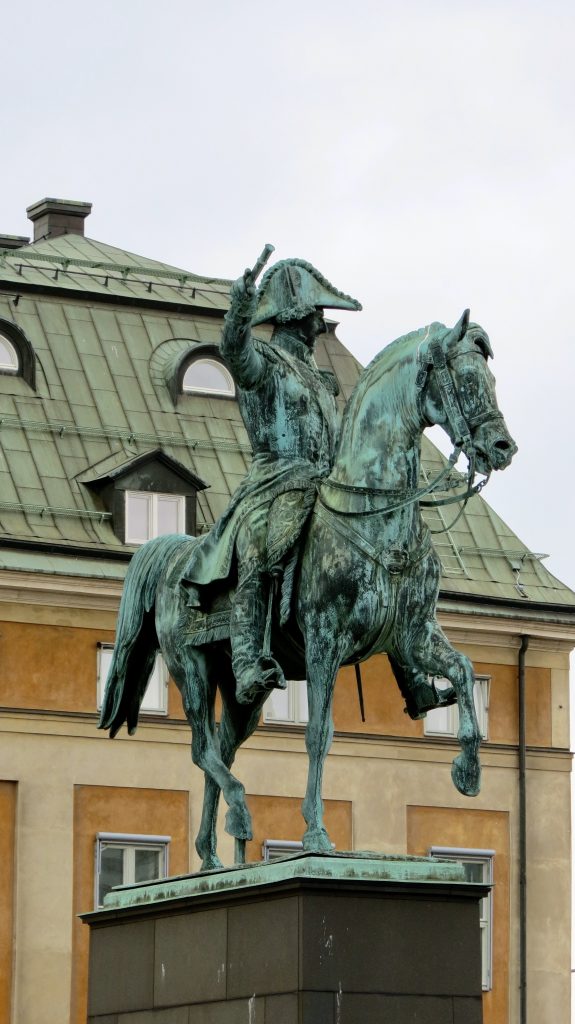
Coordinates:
[274,849]
[478,867]
[289,705]
[445,721]
[209,377]
[155,700]
[152,515]
[127,859]
[8,356]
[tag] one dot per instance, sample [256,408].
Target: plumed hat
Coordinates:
[292,289]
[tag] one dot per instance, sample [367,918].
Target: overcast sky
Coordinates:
[419,154]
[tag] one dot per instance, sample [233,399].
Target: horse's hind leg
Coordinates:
[237,724]
[198,699]
[433,654]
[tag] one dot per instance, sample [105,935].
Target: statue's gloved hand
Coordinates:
[243,296]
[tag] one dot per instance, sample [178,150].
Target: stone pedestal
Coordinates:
[341,939]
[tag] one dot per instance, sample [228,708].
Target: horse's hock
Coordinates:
[341,939]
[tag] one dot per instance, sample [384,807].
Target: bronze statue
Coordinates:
[367,576]
[288,407]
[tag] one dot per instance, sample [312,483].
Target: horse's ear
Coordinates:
[454,336]
[461,326]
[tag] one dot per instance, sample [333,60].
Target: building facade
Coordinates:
[118,420]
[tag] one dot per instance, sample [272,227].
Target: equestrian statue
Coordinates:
[322,558]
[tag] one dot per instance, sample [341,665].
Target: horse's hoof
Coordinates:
[211,863]
[466,776]
[316,840]
[239,823]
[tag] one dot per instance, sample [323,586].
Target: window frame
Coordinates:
[486,859]
[23,351]
[482,687]
[211,358]
[12,368]
[297,705]
[160,670]
[128,841]
[153,498]
[283,847]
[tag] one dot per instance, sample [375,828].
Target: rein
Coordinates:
[459,430]
[410,499]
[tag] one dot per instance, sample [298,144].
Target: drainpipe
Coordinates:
[522,838]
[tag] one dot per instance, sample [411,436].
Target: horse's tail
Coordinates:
[136,643]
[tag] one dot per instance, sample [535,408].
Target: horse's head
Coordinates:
[458,392]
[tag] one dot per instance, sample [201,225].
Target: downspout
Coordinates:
[522,837]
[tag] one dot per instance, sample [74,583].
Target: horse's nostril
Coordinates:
[502,446]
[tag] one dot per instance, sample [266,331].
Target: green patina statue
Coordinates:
[288,407]
[323,558]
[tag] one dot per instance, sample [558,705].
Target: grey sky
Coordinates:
[420,154]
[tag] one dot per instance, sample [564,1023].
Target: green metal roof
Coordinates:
[104,360]
[79,264]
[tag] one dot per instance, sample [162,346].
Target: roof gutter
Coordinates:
[498,608]
[14,290]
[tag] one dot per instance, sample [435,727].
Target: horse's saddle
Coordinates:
[210,604]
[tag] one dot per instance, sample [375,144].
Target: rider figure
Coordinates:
[288,408]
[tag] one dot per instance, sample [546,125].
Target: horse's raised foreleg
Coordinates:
[433,654]
[321,673]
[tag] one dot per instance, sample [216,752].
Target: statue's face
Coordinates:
[313,326]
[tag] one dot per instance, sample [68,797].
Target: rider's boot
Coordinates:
[255,671]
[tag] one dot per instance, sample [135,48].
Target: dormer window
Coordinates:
[148,496]
[8,356]
[152,515]
[208,377]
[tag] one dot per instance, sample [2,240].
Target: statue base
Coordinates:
[308,939]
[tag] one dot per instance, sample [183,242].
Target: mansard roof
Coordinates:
[107,327]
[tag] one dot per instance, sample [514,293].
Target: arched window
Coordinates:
[8,356]
[209,377]
[16,354]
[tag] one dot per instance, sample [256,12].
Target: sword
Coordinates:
[260,263]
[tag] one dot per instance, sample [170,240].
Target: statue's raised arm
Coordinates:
[243,359]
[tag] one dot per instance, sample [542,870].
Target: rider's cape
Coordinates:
[286,484]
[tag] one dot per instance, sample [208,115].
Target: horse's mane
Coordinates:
[403,349]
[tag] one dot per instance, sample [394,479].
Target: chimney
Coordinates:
[13,241]
[54,217]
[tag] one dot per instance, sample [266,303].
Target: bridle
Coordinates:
[460,429]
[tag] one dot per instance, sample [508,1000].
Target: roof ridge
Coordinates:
[153,268]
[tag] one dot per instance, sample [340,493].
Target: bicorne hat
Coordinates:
[292,289]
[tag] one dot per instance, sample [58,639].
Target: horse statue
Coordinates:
[367,581]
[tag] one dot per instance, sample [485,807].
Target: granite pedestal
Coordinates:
[340,939]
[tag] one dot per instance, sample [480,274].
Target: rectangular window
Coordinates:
[152,515]
[289,705]
[445,721]
[127,859]
[155,700]
[478,867]
[274,849]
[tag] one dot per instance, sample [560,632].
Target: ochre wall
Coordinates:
[384,703]
[483,830]
[8,795]
[54,668]
[117,809]
[279,817]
